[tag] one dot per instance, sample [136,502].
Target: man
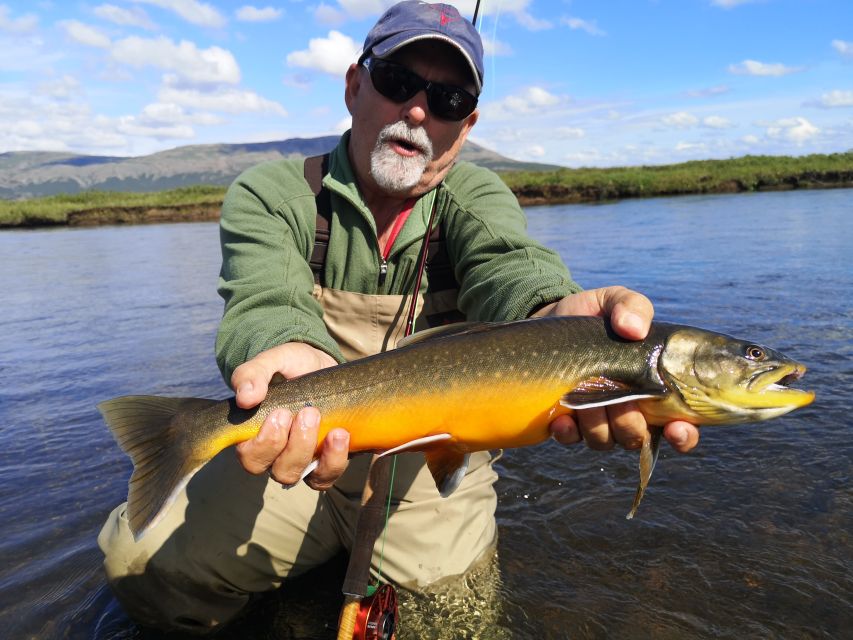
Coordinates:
[412,95]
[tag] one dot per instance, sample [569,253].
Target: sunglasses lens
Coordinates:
[395,82]
[450,103]
[398,84]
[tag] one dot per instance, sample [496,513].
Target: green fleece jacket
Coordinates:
[267,234]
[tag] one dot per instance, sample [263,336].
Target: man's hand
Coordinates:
[285,443]
[630,315]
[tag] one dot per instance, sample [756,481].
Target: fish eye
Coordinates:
[755,353]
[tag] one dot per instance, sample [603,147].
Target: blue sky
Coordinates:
[570,82]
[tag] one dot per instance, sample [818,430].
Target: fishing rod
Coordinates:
[370,611]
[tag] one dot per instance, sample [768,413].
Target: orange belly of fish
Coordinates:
[506,414]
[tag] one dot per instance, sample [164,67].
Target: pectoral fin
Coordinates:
[648,459]
[601,392]
[448,468]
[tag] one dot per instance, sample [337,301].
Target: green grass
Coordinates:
[749,173]
[54,210]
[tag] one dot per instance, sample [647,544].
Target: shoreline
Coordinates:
[529,198]
[209,212]
[201,203]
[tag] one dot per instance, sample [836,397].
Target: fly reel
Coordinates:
[377,615]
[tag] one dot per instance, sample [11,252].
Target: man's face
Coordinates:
[390,142]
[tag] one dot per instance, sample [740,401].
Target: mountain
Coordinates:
[29,174]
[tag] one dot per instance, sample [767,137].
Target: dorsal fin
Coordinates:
[443,332]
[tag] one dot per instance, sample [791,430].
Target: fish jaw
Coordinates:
[767,394]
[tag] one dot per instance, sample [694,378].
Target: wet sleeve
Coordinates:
[503,273]
[266,234]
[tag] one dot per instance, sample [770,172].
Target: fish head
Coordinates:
[722,380]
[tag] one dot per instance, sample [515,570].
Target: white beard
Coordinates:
[391,171]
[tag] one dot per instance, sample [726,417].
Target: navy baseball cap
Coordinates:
[412,20]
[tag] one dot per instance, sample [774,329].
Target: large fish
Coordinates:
[465,388]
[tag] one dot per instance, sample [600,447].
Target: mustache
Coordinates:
[414,136]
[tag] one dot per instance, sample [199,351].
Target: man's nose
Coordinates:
[414,110]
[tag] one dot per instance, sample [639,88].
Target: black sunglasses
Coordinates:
[398,84]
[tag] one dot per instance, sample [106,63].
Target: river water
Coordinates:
[747,537]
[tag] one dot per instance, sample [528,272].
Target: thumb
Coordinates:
[250,381]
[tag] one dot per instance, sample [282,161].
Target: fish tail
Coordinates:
[648,459]
[145,428]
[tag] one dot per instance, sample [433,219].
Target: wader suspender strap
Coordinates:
[438,267]
[315,168]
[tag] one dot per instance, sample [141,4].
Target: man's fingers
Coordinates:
[565,429]
[630,312]
[288,467]
[683,436]
[258,454]
[627,424]
[333,461]
[594,428]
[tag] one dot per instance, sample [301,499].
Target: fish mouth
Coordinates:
[774,384]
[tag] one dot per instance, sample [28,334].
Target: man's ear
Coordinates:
[470,121]
[353,85]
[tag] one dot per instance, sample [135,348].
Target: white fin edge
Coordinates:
[606,403]
[167,503]
[416,444]
[311,466]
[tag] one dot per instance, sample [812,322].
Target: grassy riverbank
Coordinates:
[191,204]
[749,173]
[89,208]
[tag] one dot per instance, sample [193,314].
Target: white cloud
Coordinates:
[212,65]
[680,120]
[329,16]
[535,151]
[227,100]
[331,55]
[166,113]
[61,88]
[23,24]
[691,147]
[842,47]
[496,48]
[716,122]
[530,100]
[194,12]
[131,126]
[248,13]
[570,133]
[583,25]
[342,125]
[836,98]
[755,68]
[131,17]
[531,23]
[797,130]
[85,34]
